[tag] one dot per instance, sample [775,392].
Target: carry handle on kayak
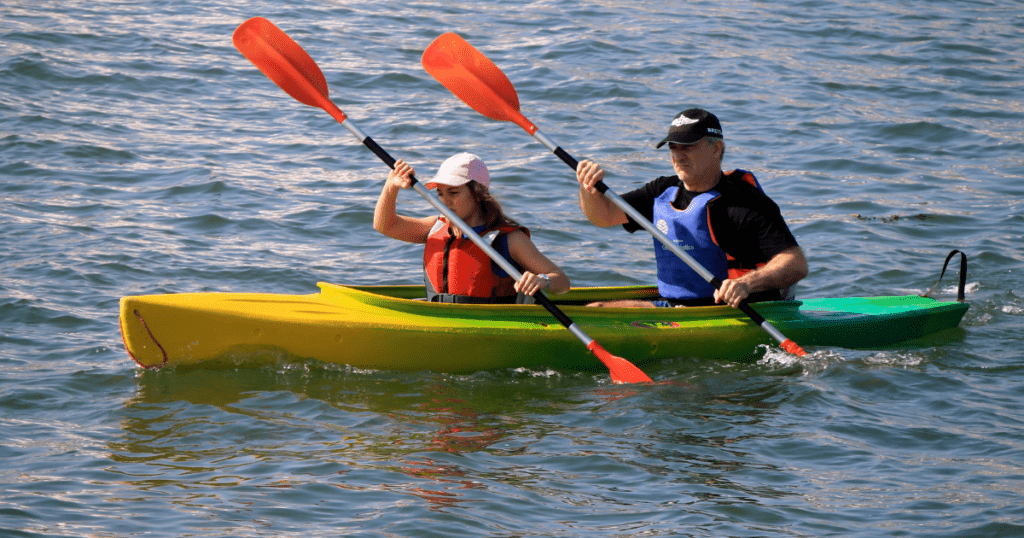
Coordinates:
[963,276]
[290,67]
[475,79]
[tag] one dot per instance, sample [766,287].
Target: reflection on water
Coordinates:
[447,440]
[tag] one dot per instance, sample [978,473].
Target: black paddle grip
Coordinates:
[744,306]
[379,152]
[543,300]
[573,163]
[384,155]
[566,158]
[754,316]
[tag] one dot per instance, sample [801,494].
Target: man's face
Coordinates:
[694,162]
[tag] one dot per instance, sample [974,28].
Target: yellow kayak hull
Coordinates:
[385,328]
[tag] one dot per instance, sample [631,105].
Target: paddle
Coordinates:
[291,68]
[475,79]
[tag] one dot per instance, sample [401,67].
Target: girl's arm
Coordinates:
[386,219]
[534,264]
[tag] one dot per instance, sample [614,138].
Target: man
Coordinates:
[723,220]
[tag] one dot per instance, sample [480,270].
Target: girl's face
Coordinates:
[462,202]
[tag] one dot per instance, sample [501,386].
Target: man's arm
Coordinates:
[598,208]
[782,271]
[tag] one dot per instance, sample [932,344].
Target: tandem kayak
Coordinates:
[387,328]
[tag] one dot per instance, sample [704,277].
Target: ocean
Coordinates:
[141,153]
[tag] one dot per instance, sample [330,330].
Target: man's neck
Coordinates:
[703,184]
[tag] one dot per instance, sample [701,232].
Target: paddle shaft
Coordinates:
[709,277]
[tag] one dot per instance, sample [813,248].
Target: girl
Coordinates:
[455,269]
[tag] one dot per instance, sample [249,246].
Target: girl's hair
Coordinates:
[493,214]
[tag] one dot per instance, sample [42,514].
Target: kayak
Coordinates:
[387,328]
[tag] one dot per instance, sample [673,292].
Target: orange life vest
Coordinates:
[455,270]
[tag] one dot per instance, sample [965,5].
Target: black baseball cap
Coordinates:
[690,126]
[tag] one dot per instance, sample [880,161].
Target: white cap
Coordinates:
[461,169]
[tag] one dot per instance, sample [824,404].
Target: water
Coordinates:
[141,153]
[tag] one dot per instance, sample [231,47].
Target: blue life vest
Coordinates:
[690,229]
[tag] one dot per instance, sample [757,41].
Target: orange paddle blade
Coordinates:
[282,60]
[793,348]
[621,370]
[474,78]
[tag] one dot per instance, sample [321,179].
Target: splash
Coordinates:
[812,363]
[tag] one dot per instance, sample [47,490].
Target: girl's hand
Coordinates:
[400,175]
[531,283]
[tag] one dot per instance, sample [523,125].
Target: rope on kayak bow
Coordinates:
[963,276]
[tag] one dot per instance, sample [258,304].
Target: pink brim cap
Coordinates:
[460,169]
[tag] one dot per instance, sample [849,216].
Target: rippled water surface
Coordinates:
[140,153]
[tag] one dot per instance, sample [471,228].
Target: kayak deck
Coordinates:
[385,328]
